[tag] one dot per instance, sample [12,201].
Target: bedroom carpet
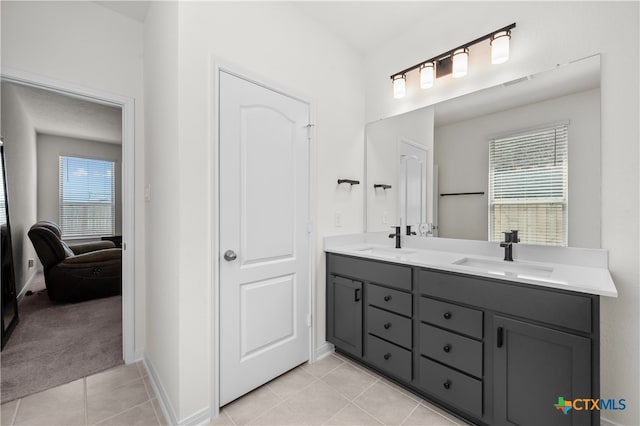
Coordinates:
[55,344]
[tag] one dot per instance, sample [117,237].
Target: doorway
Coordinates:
[126,108]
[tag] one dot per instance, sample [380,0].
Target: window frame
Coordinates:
[113,204]
[561,238]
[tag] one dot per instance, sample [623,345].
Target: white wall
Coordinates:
[161,213]
[549,33]
[20,159]
[383,162]
[49,150]
[86,45]
[278,44]
[462,155]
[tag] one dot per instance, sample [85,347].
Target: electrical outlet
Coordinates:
[338,219]
[147,192]
[30,263]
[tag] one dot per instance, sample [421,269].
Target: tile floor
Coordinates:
[119,396]
[332,391]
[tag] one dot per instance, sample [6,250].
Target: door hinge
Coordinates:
[309,320]
[309,126]
[309,227]
[124,246]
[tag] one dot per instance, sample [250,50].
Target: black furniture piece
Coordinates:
[489,351]
[115,239]
[9,296]
[73,273]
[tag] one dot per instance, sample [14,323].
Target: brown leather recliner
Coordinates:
[73,273]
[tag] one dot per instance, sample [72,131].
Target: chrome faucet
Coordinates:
[397,236]
[510,238]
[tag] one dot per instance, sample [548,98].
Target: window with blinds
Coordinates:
[87,197]
[528,174]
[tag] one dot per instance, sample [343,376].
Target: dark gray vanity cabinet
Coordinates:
[491,351]
[344,316]
[534,365]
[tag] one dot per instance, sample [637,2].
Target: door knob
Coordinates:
[230,255]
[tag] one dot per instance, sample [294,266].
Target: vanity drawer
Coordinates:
[456,388]
[560,308]
[452,317]
[391,327]
[389,357]
[389,274]
[391,300]
[451,349]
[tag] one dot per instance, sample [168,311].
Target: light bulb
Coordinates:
[399,89]
[500,47]
[460,62]
[427,75]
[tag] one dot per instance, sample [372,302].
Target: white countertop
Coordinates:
[572,269]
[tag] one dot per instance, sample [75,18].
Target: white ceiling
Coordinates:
[364,25]
[57,114]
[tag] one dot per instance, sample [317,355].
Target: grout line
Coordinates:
[86,402]
[230,418]
[121,412]
[410,413]
[338,412]
[15,412]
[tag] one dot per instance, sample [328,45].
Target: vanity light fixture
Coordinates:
[454,61]
[500,47]
[399,82]
[427,74]
[460,62]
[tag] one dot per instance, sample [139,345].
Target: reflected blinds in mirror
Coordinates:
[528,174]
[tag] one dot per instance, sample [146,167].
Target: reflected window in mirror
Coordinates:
[528,185]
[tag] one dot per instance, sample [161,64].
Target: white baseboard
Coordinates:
[27,285]
[200,417]
[324,350]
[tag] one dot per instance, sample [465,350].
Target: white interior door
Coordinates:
[412,175]
[264,215]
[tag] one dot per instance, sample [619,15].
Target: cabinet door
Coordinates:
[534,366]
[344,314]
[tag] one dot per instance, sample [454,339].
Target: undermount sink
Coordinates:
[386,251]
[505,268]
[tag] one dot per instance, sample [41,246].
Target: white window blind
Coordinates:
[87,197]
[528,175]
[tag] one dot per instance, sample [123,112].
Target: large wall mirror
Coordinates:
[524,154]
[9,299]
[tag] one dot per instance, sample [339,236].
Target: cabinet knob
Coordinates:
[447,384]
[387,356]
[447,348]
[387,325]
[447,315]
[387,298]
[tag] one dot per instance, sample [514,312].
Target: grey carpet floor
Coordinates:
[55,344]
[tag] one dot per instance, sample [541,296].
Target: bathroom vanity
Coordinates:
[493,342]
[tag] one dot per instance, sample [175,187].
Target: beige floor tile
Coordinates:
[223,419]
[159,413]
[324,366]
[112,378]
[386,404]
[401,389]
[280,415]
[8,412]
[147,385]
[352,415]
[62,405]
[140,415]
[252,405]
[316,403]
[291,383]
[443,413]
[424,416]
[349,380]
[104,404]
